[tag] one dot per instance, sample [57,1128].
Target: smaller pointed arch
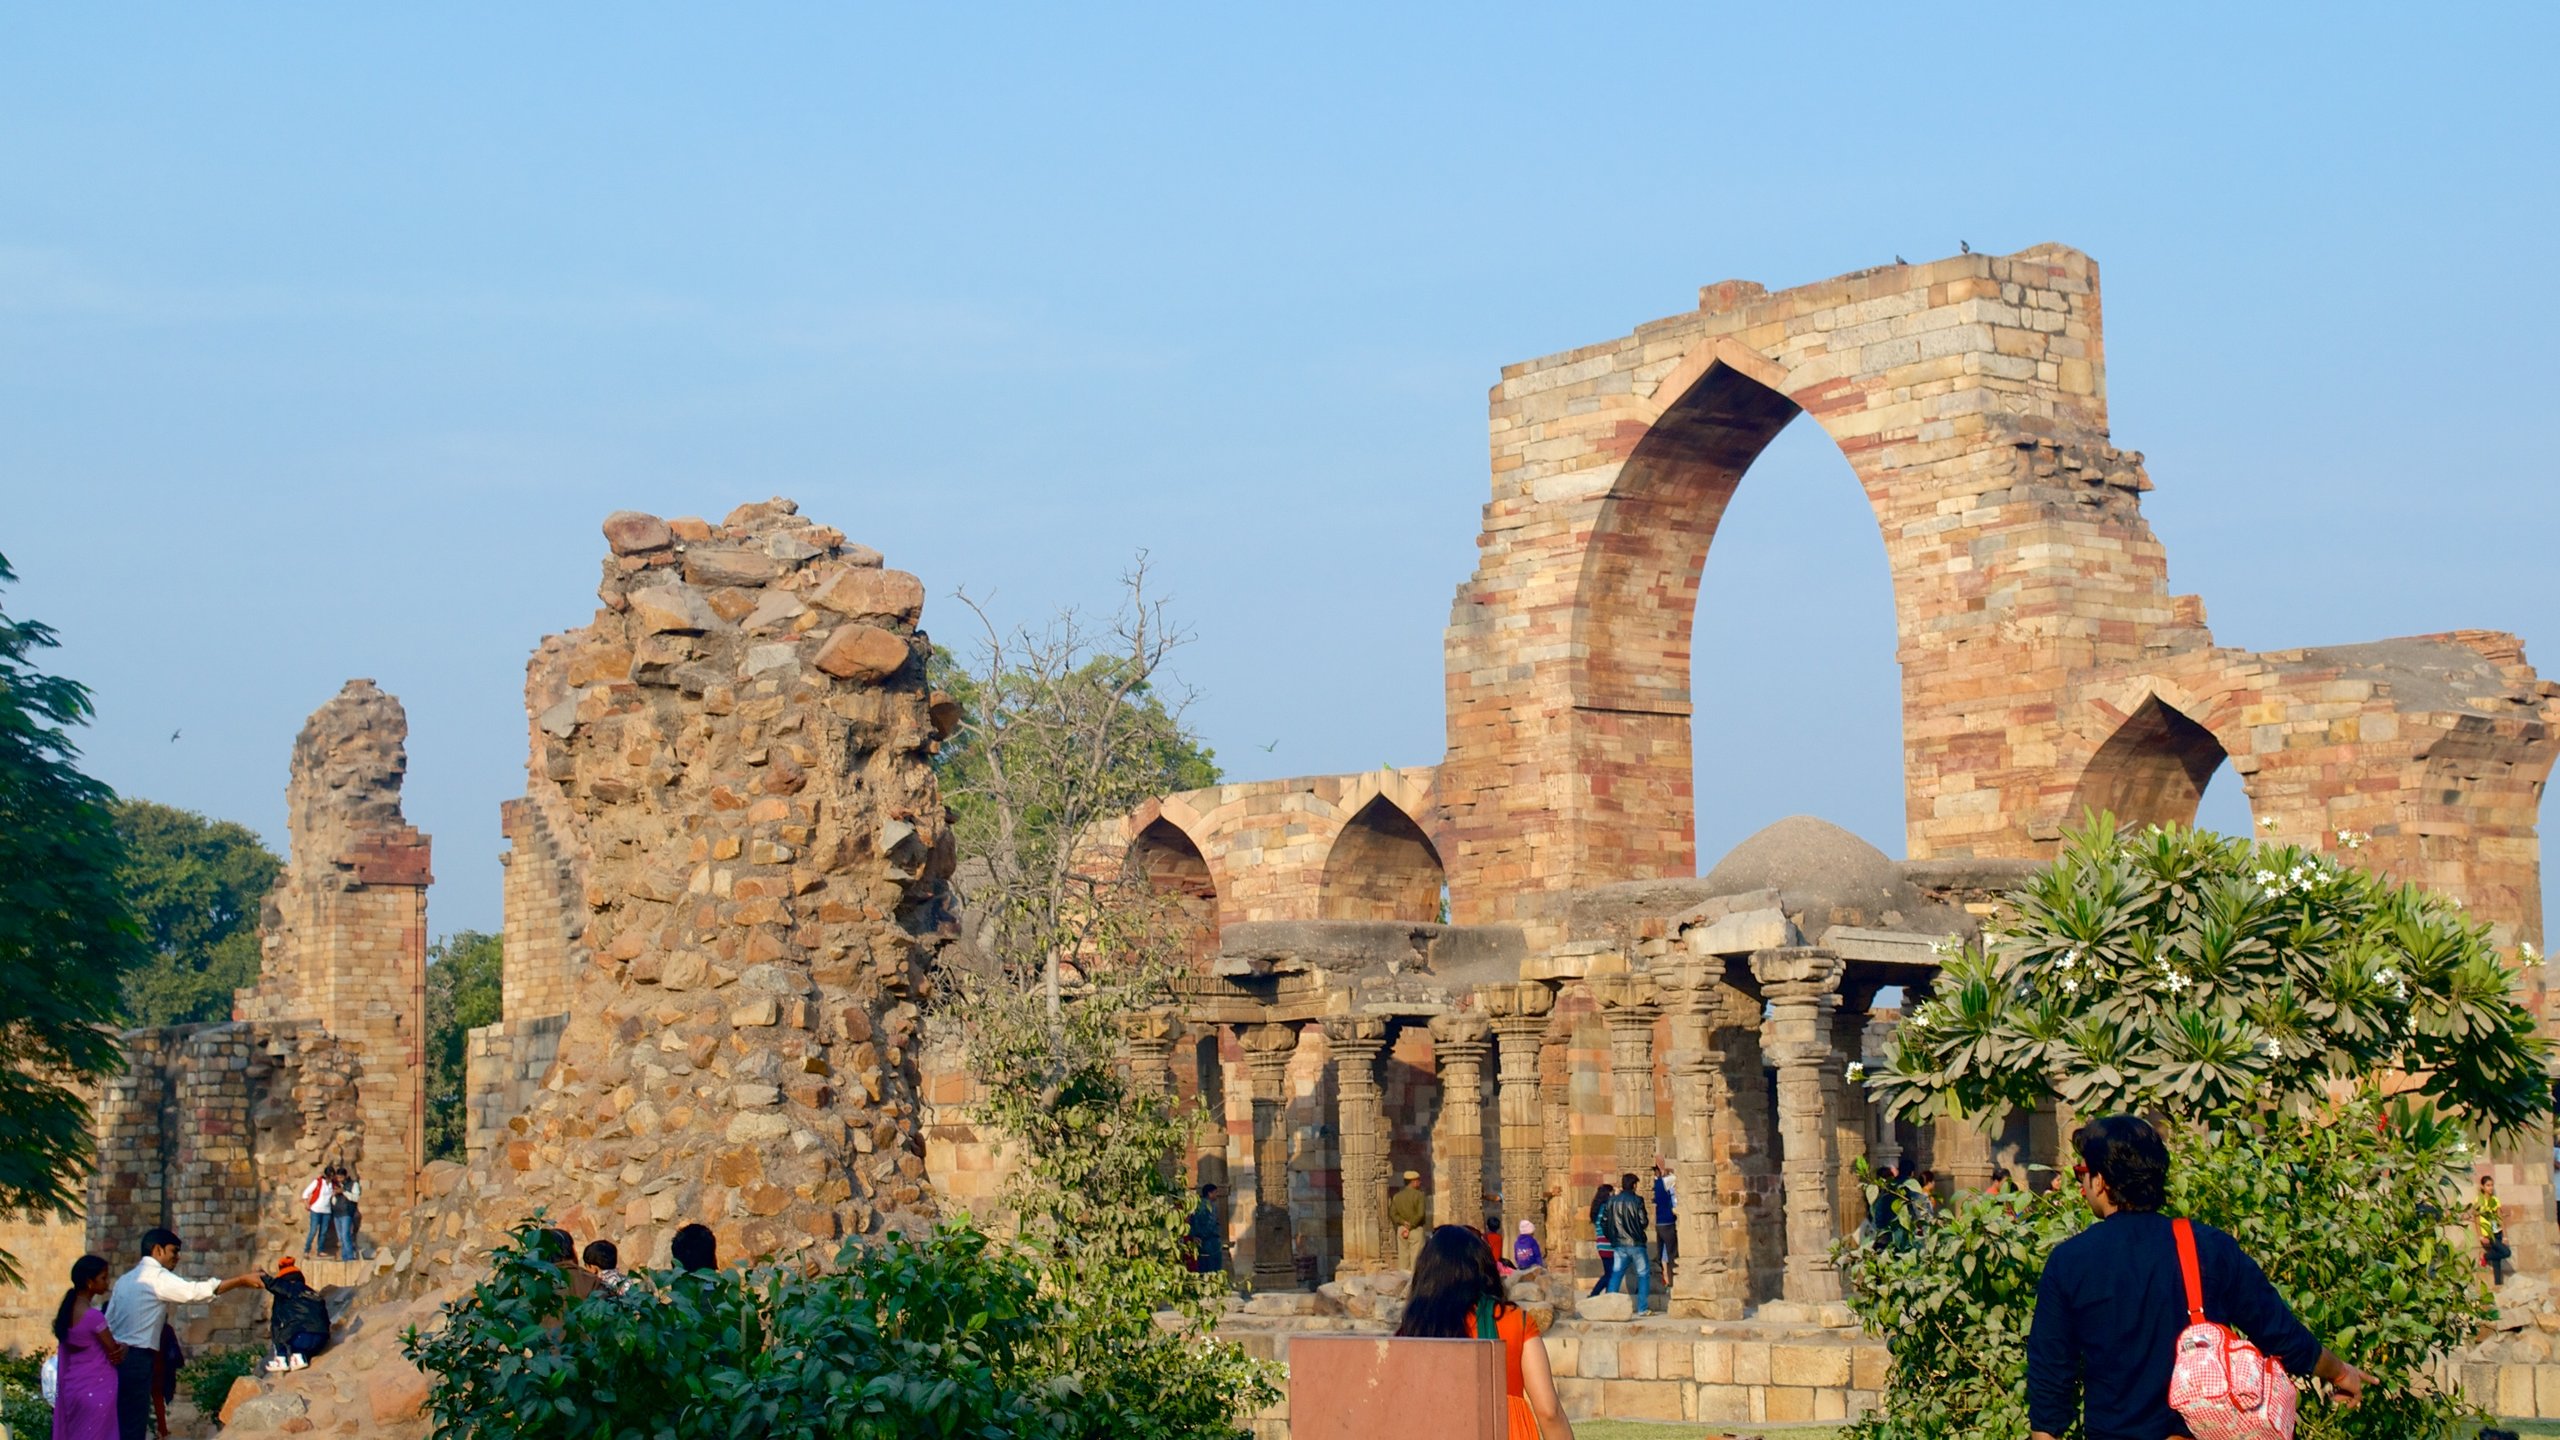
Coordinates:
[1173,866]
[2152,771]
[1382,867]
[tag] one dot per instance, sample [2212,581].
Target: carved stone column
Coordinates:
[1519,1028]
[1711,1284]
[1458,1041]
[1268,1049]
[1357,1041]
[1146,1044]
[1800,986]
[1848,1100]
[1555,1103]
[1627,1008]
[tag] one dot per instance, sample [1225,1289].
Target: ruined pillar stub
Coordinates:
[1268,1050]
[1519,1014]
[1356,1041]
[739,748]
[343,936]
[1146,1045]
[1459,1041]
[1801,986]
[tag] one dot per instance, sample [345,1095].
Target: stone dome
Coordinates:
[1821,872]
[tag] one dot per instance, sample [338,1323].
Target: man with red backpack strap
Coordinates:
[2114,1301]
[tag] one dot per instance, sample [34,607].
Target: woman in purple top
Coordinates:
[84,1406]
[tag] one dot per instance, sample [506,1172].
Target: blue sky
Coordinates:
[326,337]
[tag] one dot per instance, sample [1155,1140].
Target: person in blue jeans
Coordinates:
[1625,1219]
[1666,1221]
[320,1197]
[1600,1233]
[346,1213]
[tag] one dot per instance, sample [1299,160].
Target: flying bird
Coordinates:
[173,737]
[1965,245]
[1274,745]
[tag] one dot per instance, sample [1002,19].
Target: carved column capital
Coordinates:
[1458,1033]
[1267,1051]
[1797,972]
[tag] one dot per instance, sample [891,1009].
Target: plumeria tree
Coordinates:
[2177,972]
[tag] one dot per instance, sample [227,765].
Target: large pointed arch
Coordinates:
[2152,770]
[1382,867]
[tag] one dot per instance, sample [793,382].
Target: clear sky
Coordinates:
[328,334]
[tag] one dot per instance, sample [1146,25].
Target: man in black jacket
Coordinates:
[298,1320]
[1626,1220]
[2112,1301]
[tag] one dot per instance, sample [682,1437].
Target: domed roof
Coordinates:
[1820,871]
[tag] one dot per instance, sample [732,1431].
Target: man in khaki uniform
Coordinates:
[1409,1211]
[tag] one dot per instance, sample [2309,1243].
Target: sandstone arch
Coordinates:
[1382,867]
[1175,867]
[2152,770]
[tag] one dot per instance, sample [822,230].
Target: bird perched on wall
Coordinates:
[1965,245]
[1898,260]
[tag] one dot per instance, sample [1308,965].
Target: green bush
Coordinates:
[2357,1222]
[209,1374]
[22,1406]
[951,1335]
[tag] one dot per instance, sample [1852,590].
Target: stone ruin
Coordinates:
[725,899]
[725,891]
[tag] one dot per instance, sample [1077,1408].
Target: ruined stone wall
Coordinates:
[212,1131]
[504,1066]
[343,937]
[736,752]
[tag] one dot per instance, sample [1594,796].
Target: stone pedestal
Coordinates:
[1800,986]
[1711,1283]
[1357,1042]
[1628,1010]
[1459,1041]
[1268,1049]
[1519,1028]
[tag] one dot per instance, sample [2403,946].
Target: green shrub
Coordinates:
[209,1374]
[951,1335]
[22,1406]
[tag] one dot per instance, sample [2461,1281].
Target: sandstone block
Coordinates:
[269,1412]
[862,653]
[671,609]
[710,565]
[243,1390]
[634,532]
[1609,1306]
[397,1391]
[1809,1365]
[872,594]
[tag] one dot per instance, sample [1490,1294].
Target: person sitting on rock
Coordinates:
[1456,1294]
[297,1318]
[1526,1253]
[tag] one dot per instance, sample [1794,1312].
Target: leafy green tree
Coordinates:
[67,937]
[465,972]
[2180,972]
[196,885]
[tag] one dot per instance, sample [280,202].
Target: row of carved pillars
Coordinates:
[1801,1026]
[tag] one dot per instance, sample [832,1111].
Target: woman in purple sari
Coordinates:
[84,1406]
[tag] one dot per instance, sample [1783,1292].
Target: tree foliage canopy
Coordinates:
[196,885]
[67,937]
[465,976]
[2181,972]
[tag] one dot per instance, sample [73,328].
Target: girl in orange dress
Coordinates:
[1454,1279]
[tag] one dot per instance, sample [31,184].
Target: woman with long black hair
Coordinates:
[1456,1294]
[84,1403]
[1608,1252]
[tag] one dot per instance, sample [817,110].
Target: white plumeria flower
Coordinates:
[1857,1071]
[2070,957]
[2266,822]
[2070,986]
[2177,982]
[2275,1048]
[2266,879]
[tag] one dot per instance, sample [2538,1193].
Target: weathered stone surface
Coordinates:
[395,1391]
[1609,1305]
[667,608]
[865,594]
[862,654]
[243,1390]
[266,1412]
[634,532]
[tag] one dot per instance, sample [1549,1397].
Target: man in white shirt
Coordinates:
[137,1308]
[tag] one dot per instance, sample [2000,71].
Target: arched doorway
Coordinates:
[2155,770]
[1382,867]
[1172,866]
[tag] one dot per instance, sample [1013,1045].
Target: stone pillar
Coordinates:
[1884,1147]
[1357,1041]
[1627,1008]
[1555,1102]
[1146,1047]
[1800,986]
[1711,1283]
[1519,1028]
[1963,1153]
[1848,1100]
[1458,1044]
[1268,1049]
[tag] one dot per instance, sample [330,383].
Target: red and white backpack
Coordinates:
[2221,1385]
